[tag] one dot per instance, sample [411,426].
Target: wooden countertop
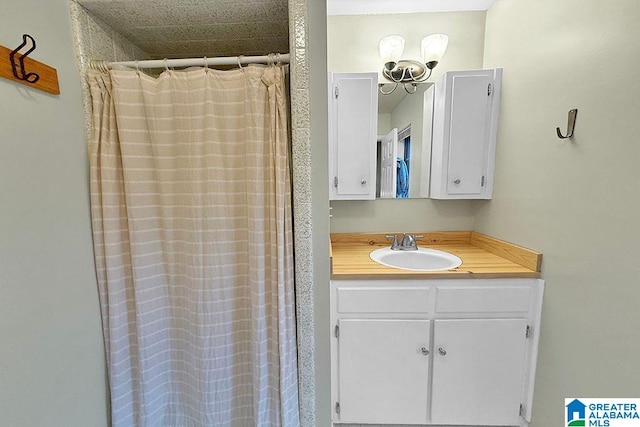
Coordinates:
[483,257]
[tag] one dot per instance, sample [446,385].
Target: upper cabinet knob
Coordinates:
[363,182]
[457,181]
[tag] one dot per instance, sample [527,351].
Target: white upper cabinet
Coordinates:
[465,124]
[353,122]
[459,129]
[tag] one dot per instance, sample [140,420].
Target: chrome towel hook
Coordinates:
[570,125]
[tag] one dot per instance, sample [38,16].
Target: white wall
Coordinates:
[352,40]
[384,123]
[318,130]
[52,370]
[577,201]
[352,46]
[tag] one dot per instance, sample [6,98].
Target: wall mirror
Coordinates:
[401,125]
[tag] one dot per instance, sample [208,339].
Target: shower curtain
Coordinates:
[190,198]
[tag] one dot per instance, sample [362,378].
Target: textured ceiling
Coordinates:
[195,28]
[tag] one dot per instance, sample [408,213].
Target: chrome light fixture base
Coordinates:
[406,71]
[410,87]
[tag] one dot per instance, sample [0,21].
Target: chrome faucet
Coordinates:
[407,242]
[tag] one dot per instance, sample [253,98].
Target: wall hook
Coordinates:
[18,69]
[570,125]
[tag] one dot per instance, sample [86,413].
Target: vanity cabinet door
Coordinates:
[478,371]
[464,134]
[353,123]
[383,371]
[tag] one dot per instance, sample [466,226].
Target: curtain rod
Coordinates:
[194,62]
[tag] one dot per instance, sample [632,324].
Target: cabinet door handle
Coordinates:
[442,351]
[363,182]
[424,351]
[457,181]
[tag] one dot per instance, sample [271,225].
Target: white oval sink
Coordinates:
[418,260]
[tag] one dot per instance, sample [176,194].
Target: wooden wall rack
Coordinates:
[18,67]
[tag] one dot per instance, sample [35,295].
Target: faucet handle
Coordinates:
[394,243]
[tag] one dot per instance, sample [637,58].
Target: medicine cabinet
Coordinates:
[456,137]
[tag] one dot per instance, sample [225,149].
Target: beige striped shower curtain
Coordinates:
[190,198]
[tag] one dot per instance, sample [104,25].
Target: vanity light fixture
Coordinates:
[408,72]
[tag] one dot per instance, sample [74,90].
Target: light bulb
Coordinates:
[433,48]
[391,48]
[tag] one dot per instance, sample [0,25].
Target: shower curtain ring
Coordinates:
[206,64]
[240,62]
[98,65]
[166,64]
[278,59]
[137,67]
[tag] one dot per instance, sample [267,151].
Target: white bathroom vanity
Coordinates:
[442,348]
